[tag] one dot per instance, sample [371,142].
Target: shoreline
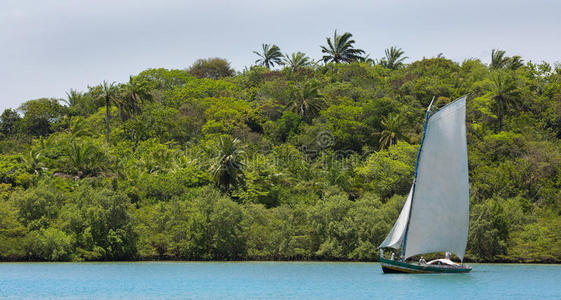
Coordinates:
[249,261]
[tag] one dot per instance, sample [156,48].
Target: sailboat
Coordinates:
[435,217]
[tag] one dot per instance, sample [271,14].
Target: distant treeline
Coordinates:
[306,161]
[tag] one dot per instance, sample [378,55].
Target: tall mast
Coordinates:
[415,178]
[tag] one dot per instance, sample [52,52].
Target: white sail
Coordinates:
[395,237]
[439,217]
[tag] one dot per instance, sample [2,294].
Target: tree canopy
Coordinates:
[341,49]
[269,56]
[308,161]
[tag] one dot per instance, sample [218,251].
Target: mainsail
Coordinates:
[439,199]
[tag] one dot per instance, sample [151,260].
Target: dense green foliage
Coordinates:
[306,162]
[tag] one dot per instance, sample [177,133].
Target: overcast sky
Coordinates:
[50,46]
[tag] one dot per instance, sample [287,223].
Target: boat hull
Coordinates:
[394,266]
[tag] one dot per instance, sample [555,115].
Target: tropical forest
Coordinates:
[291,158]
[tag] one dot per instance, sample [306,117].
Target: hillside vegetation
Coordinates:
[305,161]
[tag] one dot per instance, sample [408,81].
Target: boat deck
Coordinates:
[394,266]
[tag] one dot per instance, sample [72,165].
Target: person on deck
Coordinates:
[422,261]
[393,254]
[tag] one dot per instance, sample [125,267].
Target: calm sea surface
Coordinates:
[258,280]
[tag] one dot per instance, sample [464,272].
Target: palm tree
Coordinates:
[134,92]
[108,93]
[73,97]
[341,49]
[83,157]
[75,101]
[308,102]
[498,59]
[515,62]
[394,58]
[297,61]
[392,124]
[227,171]
[270,56]
[505,92]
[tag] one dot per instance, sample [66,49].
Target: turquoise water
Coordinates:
[258,280]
